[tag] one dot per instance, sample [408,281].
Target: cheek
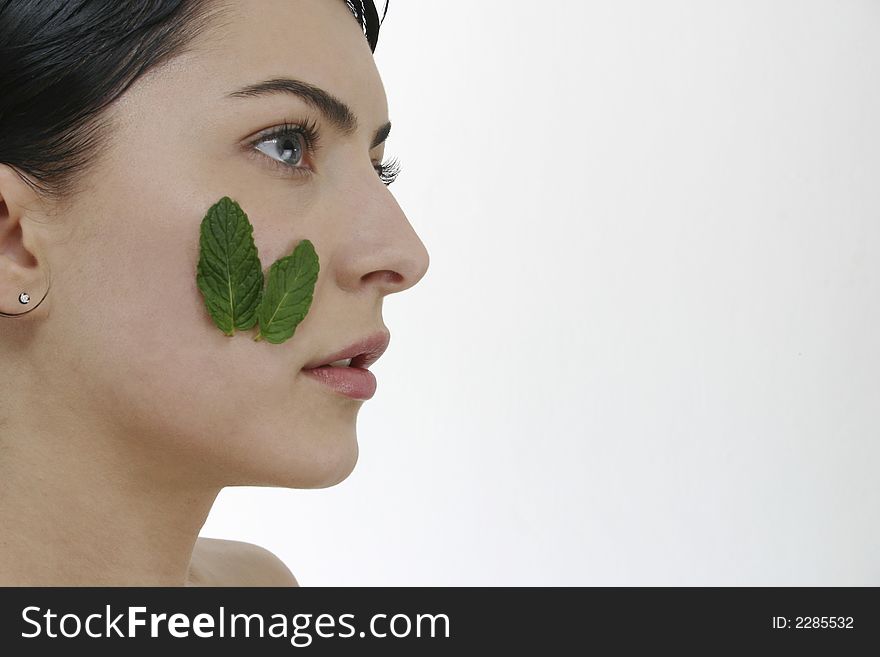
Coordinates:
[225,409]
[157,370]
[217,406]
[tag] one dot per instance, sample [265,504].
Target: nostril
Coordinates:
[390,276]
[384,276]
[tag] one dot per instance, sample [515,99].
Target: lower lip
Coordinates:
[353,382]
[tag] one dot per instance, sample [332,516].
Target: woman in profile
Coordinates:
[124,410]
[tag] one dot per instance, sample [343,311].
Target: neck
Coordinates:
[78,511]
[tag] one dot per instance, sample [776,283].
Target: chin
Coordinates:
[332,464]
[338,476]
[330,472]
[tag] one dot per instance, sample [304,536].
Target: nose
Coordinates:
[379,248]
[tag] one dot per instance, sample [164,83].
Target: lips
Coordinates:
[363,352]
[353,380]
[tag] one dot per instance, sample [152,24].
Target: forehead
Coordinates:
[316,41]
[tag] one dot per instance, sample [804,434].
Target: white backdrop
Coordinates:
[647,349]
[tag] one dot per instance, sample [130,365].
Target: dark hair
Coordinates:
[366,15]
[64,61]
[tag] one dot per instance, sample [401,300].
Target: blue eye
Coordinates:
[289,142]
[287,145]
[287,149]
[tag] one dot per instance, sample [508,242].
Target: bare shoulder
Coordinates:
[220,562]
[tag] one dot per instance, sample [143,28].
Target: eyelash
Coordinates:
[388,171]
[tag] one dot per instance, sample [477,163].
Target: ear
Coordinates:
[23,268]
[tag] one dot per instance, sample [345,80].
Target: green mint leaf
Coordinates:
[229,274]
[288,293]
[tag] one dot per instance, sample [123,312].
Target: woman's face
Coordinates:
[132,346]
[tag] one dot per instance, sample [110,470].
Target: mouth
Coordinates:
[360,354]
[345,371]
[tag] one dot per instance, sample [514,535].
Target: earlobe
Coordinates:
[24,279]
[24,300]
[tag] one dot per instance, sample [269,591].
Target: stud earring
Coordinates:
[25,299]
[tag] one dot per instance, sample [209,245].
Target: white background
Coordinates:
[647,349]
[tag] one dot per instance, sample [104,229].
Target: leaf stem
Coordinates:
[259,336]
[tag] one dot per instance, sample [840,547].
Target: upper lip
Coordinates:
[363,352]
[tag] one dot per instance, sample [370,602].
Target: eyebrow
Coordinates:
[334,110]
